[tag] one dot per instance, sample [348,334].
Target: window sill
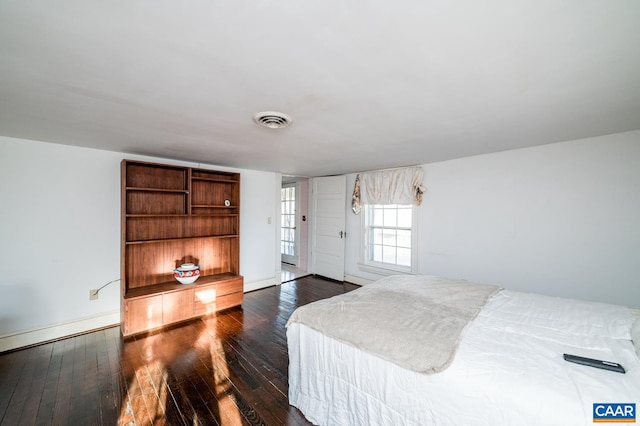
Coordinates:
[384,270]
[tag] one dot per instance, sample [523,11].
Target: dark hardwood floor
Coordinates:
[226,369]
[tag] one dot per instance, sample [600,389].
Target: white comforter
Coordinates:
[509,370]
[405,312]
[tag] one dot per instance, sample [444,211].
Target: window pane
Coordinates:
[404,256]
[389,254]
[404,238]
[377,253]
[404,218]
[377,236]
[390,217]
[389,237]
[287,249]
[377,216]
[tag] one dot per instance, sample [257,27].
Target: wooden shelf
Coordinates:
[150,216]
[183,215]
[179,191]
[181,239]
[174,285]
[173,215]
[214,179]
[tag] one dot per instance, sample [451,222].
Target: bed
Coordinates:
[506,366]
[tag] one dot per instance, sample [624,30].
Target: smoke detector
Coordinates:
[272,119]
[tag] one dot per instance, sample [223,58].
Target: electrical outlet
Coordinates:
[93,294]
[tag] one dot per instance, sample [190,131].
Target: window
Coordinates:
[288,223]
[389,237]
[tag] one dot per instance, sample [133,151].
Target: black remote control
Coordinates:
[605,365]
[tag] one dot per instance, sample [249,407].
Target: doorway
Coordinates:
[294,208]
[288,229]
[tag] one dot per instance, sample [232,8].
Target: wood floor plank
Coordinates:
[11,366]
[63,390]
[224,369]
[77,401]
[47,403]
[22,401]
[114,350]
[105,386]
[91,396]
[35,391]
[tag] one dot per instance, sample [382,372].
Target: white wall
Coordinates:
[560,219]
[60,237]
[259,244]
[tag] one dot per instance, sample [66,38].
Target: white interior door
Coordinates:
[328,213]
[288,224]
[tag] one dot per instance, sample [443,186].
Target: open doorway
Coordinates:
[289,232]
[294,232]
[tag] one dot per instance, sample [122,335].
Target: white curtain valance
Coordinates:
[395,186]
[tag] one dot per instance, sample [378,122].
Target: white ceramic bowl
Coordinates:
[186,276]
[187,280]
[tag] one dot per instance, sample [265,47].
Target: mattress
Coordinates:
[509,369]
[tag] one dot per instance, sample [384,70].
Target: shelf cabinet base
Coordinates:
[170,304]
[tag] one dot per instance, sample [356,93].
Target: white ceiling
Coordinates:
[369,85]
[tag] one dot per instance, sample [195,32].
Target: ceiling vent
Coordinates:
[272,119]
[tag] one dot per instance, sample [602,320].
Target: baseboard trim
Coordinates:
[26,338]
[35,336]
[257,285]
[357,280]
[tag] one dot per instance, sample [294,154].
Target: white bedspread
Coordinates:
[508,370]
[418,323]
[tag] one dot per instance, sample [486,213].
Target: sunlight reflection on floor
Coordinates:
[180,373]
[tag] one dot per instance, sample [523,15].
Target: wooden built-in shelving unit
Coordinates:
[173,215]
